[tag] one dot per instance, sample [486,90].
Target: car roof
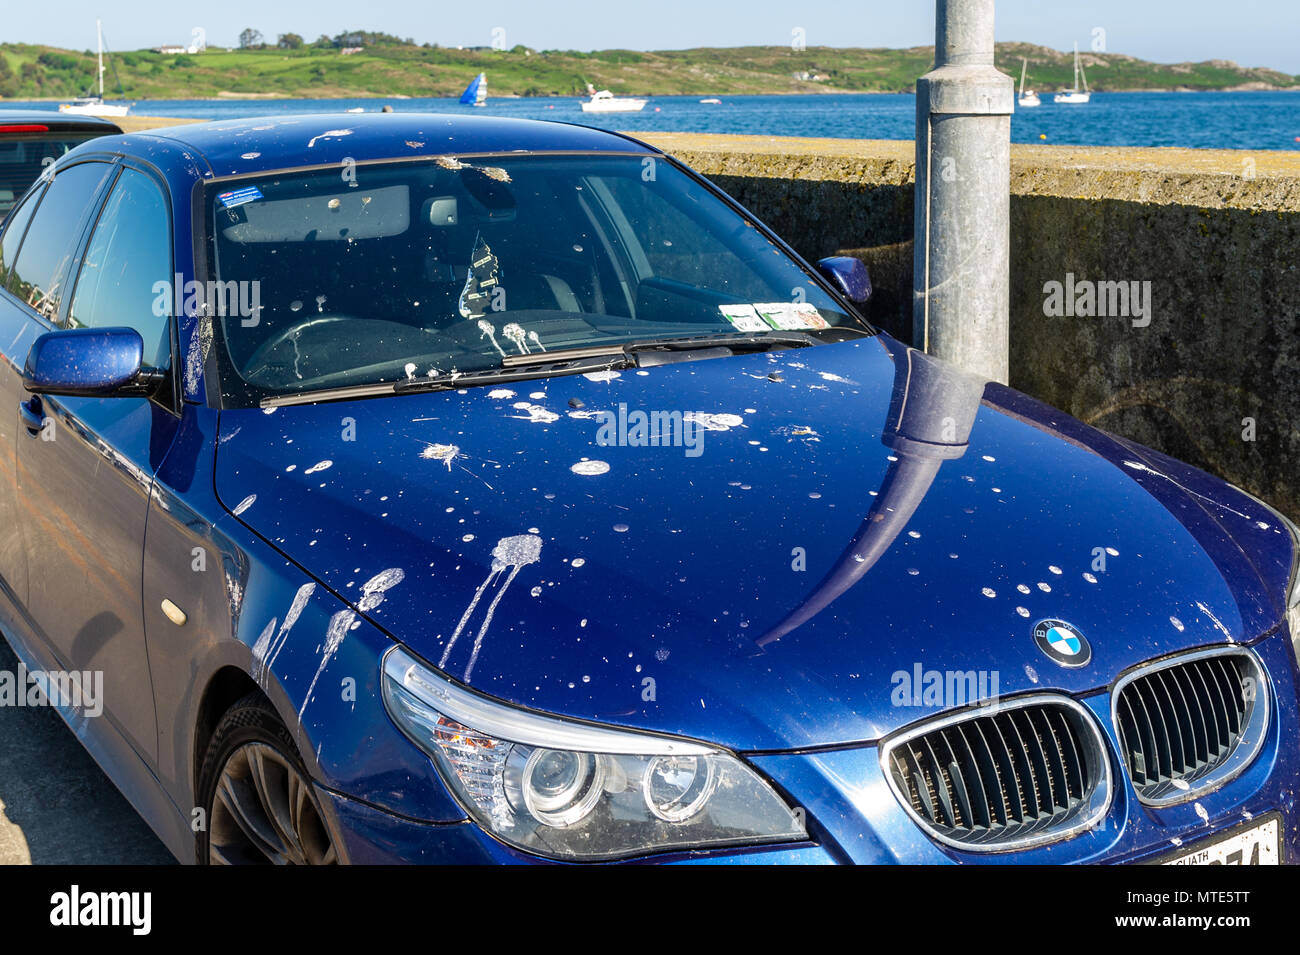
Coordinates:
[55,121]
[244,146]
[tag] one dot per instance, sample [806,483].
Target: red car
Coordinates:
[32,139]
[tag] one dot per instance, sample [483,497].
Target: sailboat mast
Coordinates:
[1076,64]
[1023,64]
[99,36]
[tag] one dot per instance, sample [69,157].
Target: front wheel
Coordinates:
[257,799]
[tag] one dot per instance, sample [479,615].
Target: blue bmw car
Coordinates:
[401,488]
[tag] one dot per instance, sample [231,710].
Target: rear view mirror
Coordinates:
[89,362]
[848,275]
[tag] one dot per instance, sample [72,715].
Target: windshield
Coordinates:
[328,279]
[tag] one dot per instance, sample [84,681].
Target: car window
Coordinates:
[42,266]
[129,254]
[24,157]
[14,227]
[669,242]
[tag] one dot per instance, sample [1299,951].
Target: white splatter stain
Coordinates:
[445,453]
[244,505]
[197,354]
[501,393]
[328,134]
[1089,577]
[490,333]
[319,466]
[374,589]
[1178,624]
[532,337]
[590,468]
[989,592]
[1139,466]
[714,422]
[266,649]
[1217,622]
[534,414]
[606,375]
[515,333]
[334,633]
[512,554]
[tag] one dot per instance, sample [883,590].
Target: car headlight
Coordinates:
[577,791]
[1293,587]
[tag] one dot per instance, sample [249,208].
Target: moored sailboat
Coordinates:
[1075,95]
[94,105]
[1027,97]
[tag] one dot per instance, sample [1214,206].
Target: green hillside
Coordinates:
[394,68]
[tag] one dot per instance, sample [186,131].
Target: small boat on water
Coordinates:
[1027,97]
[603,101]
[95,105]
[711,101]
[1075,95]
[476,93]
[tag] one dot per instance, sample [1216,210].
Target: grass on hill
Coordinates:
[42,72]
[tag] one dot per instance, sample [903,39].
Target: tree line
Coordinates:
[251,39]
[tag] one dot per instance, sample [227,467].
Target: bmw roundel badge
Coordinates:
[1062,642]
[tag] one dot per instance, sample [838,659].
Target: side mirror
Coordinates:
[848,275]
[89,363]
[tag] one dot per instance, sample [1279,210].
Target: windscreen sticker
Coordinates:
[481,282]
[791,316]
[240,196]
[743,318]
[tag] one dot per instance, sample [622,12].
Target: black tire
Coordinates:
[256,795]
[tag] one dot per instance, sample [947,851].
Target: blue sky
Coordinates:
[1251,32]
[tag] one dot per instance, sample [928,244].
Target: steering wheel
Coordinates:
[258,361]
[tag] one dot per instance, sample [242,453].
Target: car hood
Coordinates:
[853,520]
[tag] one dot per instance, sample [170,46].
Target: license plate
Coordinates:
[1257,844]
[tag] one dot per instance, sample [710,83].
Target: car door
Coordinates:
[83,475]
[13,326]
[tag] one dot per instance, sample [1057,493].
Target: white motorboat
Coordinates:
[1076,94]
[603,101]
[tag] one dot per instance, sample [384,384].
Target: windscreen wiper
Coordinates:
[451,381]
[540,367]
[571,361]
[736,341]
